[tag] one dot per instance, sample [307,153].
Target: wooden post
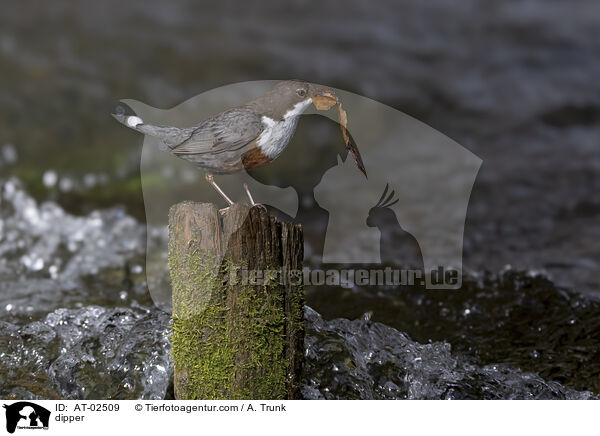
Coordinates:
[237,328]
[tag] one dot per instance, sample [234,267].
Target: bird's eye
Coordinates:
[301,92]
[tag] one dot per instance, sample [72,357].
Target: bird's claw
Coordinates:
[262,206]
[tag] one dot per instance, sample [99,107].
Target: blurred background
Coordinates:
[514,81]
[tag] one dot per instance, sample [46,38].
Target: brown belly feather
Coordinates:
[254,158]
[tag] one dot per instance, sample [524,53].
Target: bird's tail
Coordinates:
[126,116]
[171,136]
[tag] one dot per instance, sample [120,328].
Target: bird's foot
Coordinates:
[262,206]
[224,210]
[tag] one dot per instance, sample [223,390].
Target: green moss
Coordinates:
[257,332]
[194,277]
[230,340]
[194,274]
[234,347]
[201,352]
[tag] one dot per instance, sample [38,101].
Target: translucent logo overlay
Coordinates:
[405,220]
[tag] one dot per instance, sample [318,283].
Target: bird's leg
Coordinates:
[249,195]
[210,179]
[252,202]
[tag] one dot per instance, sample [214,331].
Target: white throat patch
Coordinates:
[277,134]
[298,108]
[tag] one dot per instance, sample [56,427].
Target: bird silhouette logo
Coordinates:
[396,244]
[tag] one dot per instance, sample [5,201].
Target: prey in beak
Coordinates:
[325,100]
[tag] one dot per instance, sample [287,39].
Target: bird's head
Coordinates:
[291,98]
[299,94]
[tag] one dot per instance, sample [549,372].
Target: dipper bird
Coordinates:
[241,138]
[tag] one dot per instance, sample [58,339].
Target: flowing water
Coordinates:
[76,322]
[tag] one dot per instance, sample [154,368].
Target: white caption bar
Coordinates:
[301,417]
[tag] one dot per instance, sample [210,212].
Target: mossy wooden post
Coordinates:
[235,338]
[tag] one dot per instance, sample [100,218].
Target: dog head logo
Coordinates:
[26,415]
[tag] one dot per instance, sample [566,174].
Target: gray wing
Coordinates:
[228,131]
